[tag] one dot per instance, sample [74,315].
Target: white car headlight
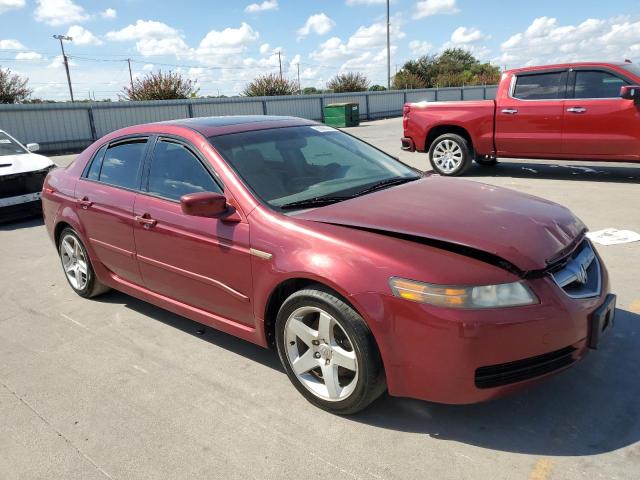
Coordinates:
[483,296]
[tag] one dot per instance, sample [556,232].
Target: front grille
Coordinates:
[579,275]
[512,372]
[22,183]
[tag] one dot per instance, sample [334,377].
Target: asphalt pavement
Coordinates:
[116,388]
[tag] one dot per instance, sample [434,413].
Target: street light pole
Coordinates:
[280,62]
[66,61]
[388,51]
[130,75]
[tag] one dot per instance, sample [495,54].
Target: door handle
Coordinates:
[510,111]
[576,110]
[85,203]
[146,221]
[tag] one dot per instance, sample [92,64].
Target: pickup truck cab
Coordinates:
[578,111]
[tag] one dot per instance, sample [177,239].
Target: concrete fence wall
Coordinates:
[62,127]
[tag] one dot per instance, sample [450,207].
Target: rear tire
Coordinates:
[450,155]
[328,352]
[486,162]
[77,267]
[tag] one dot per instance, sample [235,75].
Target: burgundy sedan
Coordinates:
[363,273]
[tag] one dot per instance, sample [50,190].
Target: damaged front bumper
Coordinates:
[20,194]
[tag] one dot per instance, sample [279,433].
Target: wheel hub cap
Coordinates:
[74,262]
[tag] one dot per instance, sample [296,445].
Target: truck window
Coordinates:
[597,84]
[539,86]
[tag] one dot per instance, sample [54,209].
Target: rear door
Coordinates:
[105,195]
[597,122]
[198,261]
[529,118]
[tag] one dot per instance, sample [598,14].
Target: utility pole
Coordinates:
[299,89]
[130,75]
[280,62]
[388,51]
[66,61]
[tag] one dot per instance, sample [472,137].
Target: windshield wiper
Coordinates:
[314,202]
[389,182]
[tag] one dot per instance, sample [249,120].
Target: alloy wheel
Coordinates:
[448,156]
[321,354]
[74,262]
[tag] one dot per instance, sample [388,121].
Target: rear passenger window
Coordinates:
[597,84]
[541,86]
[175,172]
[121,164]
[94,170]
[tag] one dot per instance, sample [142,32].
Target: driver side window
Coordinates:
[175,171]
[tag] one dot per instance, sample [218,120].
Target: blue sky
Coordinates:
[224,44]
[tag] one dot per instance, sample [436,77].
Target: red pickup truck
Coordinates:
[578,111]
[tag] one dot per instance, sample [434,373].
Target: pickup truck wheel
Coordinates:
[450,155]
[486,162]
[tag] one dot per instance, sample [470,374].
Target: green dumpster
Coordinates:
[342,114]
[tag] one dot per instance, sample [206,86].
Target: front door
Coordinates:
[198,261]
[597,122]
[529,118]
[105,196]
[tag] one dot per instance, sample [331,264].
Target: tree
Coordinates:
[310,91]
[452,68]
[348,82]
[407,80]
[161,86]
[377,88]
[13,88]
[269,85]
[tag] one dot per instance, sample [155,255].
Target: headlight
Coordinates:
[484,296]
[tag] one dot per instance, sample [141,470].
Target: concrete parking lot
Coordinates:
[116,388]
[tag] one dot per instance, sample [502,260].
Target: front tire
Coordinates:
[77,265]
[450,155]
[328,352]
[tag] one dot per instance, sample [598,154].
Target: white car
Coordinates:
[22,174]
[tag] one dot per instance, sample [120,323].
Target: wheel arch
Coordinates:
[438,130]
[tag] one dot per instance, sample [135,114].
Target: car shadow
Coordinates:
[588,409]
[27,222]
[559,171]
[221,339]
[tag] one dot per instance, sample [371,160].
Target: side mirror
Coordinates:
[204,204]
[630,92]
[33,147]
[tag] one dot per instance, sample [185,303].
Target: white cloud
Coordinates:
[6,5]
[427,8]
[152,38]
[59,62]
[28,56]
[546,41]
[109,13]
[464,35]
[318,23]
[82,36]
[264,48]
[11,44]
[59,12]
[262,7]
[418,47]
[147,67]
[228,41]
[364,38]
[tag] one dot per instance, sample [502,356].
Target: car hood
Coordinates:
[22,163]
[526,231]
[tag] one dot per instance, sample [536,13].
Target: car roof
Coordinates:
[213,126]
[567,65]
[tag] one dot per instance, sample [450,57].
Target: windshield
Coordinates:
[634,68]
[288,167]
[8,146]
